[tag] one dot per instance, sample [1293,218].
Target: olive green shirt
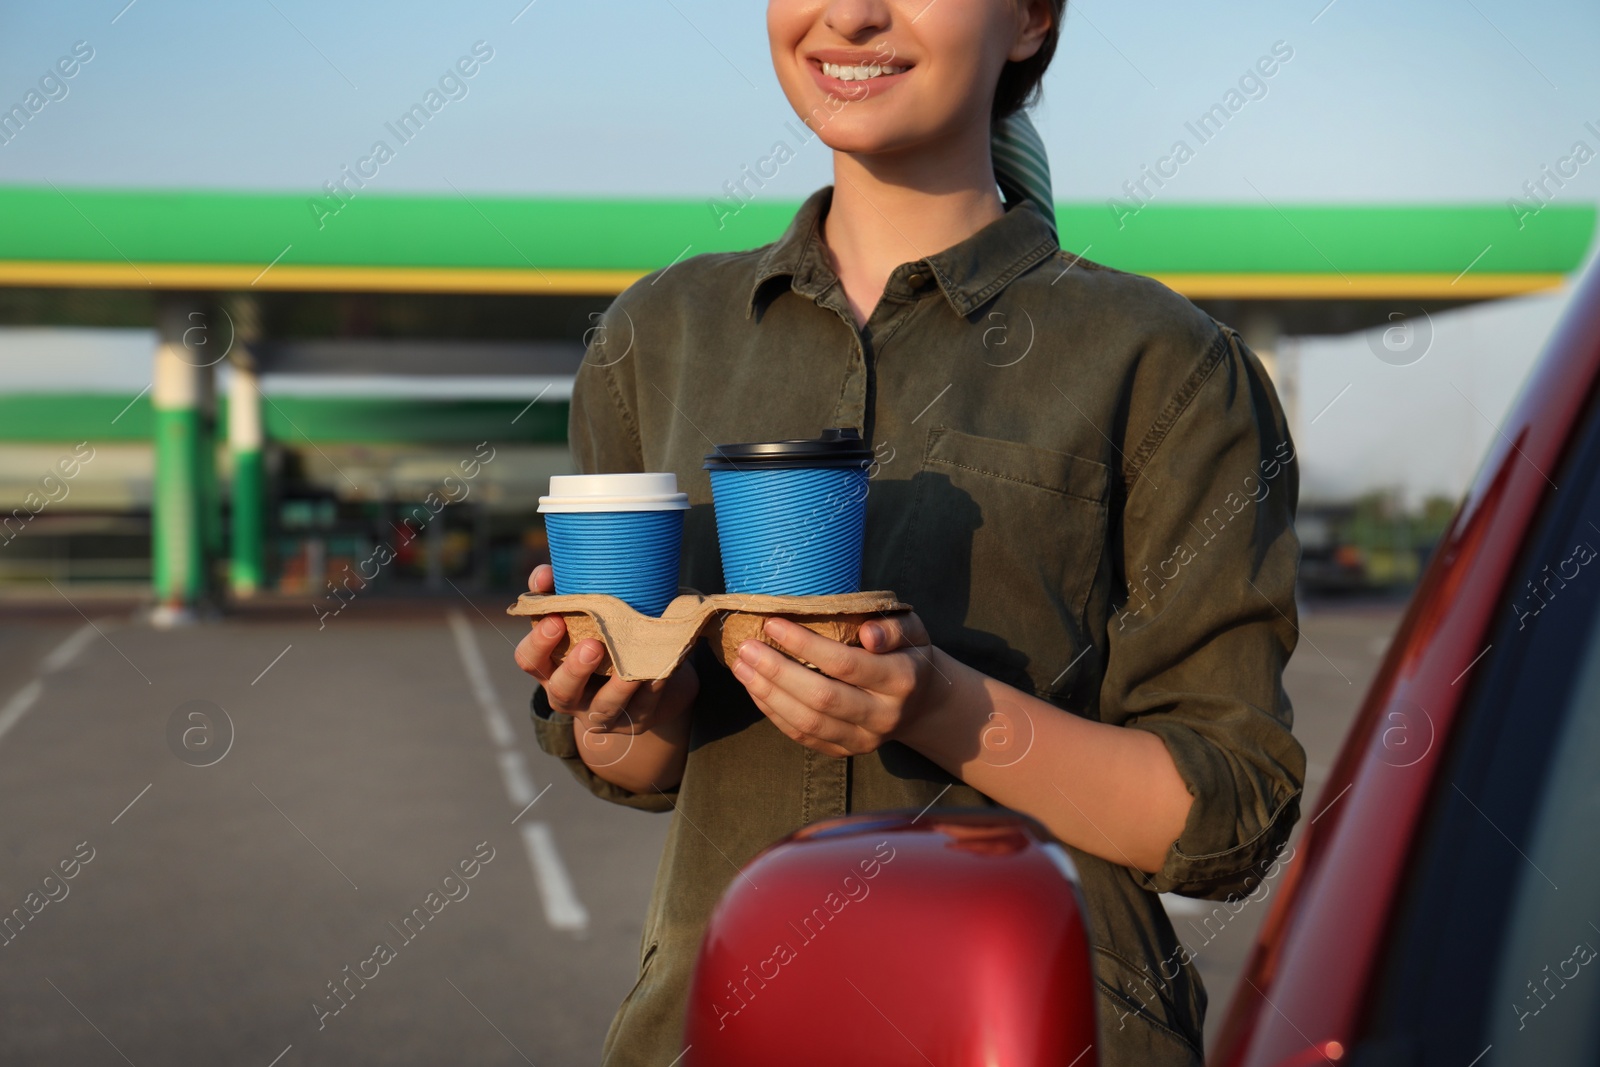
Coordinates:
[1085,487]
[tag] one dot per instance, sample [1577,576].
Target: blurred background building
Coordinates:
[259,426]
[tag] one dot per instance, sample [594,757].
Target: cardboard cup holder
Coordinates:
[644,648]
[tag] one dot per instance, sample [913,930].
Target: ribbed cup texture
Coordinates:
[791,532]
[632,555]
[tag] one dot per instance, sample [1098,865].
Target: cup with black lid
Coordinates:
[791,515]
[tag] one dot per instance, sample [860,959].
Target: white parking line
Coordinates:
[519,783]
[562,908]
[54,660]
[530,804]
[494,716]
[18,705]
[63,654]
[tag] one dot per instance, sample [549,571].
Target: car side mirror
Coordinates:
[953,937]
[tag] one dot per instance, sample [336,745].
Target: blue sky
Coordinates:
[1427,100]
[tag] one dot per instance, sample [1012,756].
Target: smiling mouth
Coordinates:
[861,71]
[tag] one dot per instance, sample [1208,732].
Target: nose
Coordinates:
[851,19]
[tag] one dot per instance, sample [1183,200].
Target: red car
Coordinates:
[1443,906]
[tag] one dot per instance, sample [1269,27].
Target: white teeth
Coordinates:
[860,71]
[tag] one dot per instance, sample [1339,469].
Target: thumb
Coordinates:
[542,580]
[888,633]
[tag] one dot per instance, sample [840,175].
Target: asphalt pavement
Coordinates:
[297,845]
[369,772]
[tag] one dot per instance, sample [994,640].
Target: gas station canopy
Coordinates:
[68,237]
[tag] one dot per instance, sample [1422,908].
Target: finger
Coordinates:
[567,682]
[888,633]
[533,651]
[815,704]
[793,733]
[542,579]
[853,666]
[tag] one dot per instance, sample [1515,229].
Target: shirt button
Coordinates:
[915,280]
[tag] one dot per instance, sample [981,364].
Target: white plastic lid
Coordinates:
[614,492]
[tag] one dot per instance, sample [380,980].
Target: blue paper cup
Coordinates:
[791,515]
[617,534]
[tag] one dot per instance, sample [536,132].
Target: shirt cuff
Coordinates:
[556,736]
[1234,834]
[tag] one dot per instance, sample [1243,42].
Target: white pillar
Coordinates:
[177,497]
[245,441]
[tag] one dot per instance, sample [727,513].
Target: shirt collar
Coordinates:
[969,273]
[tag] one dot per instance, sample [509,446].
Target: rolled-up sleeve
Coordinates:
[603,435]
[1208,558]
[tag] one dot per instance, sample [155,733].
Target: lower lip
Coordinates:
[854,91]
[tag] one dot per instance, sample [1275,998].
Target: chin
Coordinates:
[859,142]
[862,134]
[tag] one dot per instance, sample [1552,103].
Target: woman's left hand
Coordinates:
[862,697]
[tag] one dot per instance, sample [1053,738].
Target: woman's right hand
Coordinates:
[601,704]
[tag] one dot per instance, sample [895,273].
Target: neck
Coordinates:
[894,208]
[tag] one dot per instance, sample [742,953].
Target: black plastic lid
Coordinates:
[837,447]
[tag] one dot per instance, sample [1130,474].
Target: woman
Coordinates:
[1084,486]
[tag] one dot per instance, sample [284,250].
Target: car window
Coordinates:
[1548,977]
[1493,919]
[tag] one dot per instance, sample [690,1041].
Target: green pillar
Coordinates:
[177,497]
[247,573]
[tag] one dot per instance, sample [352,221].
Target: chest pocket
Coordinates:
[1001,553]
